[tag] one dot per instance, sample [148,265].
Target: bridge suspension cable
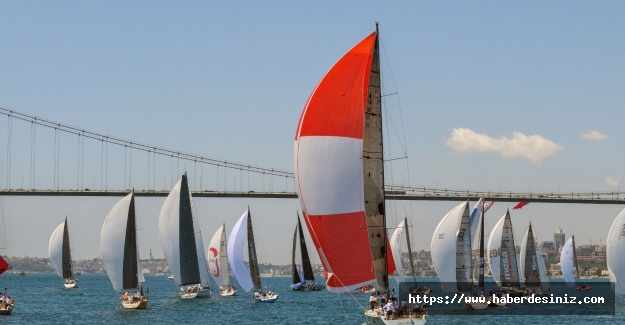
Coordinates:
[58,127]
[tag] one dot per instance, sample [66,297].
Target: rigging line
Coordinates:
[9,133]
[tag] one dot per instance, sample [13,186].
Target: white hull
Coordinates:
[7,308]
[134,304]
[375,317]
[228,292]
[268,297]
[188,295]
[70,285]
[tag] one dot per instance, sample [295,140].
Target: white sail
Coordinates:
[55,249]
[567,262]
[236,245]
[494,248]
[112,244]
[443,246]
[614,253]
[214,258]
[396,250]
[180,238]
[542,269]
[168,222]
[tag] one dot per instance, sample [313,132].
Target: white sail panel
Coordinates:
[567,262]
[396,250]
[614,253]
[236,246]
[443,247]
[55,249]
[214,257]
[338,189]
[494,249]
[522,256]
[168,229]
[112,241]
[542,270]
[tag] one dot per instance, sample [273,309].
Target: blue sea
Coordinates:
[42,299]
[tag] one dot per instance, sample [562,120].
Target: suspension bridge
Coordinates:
[95,164]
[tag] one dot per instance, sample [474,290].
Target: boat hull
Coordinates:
[267,298]
[227,292]
[71,285]
[375,317]
[8,308]
[140,304]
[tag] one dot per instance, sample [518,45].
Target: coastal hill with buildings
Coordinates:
[591,260]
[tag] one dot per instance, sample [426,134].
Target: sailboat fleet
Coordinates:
[339,168]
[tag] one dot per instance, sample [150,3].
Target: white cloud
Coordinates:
[612,181]
[532,147]
[593,135]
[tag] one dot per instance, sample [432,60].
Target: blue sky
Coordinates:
[523,96]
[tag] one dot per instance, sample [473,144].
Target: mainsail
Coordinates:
[339,170]
[532,266]
[118,246]
[614,253]
[502,257]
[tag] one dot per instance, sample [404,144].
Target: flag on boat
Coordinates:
[520,205]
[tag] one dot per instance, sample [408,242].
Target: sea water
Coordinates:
[42,299]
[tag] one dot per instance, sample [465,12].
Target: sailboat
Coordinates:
[477,216]
[339,170]
[614,253]
[568,264]
[181,241]
[118,250]
[502,259]
[395,243]
[218,263]
[60,255]
[452,237]
[532,265]
[305,272]
[248,279]
[6,302]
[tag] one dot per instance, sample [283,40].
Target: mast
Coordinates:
[189,266]
[373,172]
[481,262]
[66,258]
[306,265]
[252,253]
[296,278]
[414,275]
[575,259]
[130,278]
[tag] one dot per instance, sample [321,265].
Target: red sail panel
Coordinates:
[345,254]
[328,168]
[336,106]
[3,265]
